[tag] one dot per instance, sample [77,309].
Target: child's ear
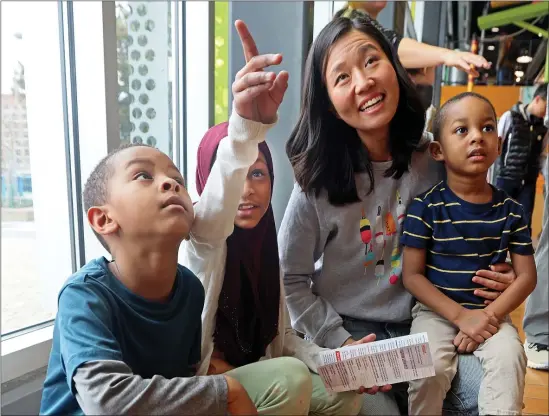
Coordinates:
[101,221]
[500,145]
[436,151]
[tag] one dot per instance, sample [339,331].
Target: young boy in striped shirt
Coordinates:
[459,226]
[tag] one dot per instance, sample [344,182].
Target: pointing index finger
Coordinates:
[248,43]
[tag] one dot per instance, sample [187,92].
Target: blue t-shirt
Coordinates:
[98,319]
[461,238]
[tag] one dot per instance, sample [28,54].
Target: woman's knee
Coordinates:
[294,380]
[325,403]
[348,403]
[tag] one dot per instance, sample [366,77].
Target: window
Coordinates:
[35,237]
[116,73]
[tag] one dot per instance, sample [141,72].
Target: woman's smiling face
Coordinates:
[361,82]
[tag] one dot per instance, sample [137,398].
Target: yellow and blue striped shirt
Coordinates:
[461,238]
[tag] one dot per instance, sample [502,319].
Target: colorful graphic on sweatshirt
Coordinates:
[390,227]
[365,229]
[396,267]
[401,210]
[370,257]
[379,237]
[386,232]
[380,266]
[395,263]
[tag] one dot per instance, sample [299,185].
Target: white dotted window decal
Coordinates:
[147,42]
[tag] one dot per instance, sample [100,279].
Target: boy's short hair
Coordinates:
[541,91]
[96,188]
[440,116]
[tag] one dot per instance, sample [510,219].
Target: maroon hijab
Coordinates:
[247,315]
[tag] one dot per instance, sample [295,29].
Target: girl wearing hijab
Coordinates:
[246,331]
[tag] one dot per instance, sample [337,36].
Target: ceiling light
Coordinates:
[519,73]
[517,80]
[491,47]
[495,29]
[524,59]
[540,34]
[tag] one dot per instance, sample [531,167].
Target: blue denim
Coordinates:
[462,399]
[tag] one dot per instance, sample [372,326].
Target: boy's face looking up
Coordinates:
[146,200]
[468,142]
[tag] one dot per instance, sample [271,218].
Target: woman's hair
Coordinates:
[326,152]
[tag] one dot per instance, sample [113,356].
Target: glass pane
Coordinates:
[144,55]
[35,248]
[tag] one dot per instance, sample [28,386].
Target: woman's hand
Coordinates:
[466,61]
[496,280]
[257,94]
[375,389]
[218,366]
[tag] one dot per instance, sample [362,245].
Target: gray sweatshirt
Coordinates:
[345,261]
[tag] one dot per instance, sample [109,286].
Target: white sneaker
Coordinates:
[537,355]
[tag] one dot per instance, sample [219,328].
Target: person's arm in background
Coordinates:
[299,241]
[414,54]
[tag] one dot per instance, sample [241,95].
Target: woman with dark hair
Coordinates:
[246,331]
[358,154]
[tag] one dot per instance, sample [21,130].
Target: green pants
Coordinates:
[285,386]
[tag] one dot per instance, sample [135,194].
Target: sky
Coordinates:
[13,13]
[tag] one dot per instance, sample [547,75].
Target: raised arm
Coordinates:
[300,243]
[257,96]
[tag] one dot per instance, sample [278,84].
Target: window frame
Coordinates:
[27,350]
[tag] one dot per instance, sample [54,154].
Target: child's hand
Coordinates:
[466,61]
[238,401]
[479,324]
[257,94]
[464,344]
